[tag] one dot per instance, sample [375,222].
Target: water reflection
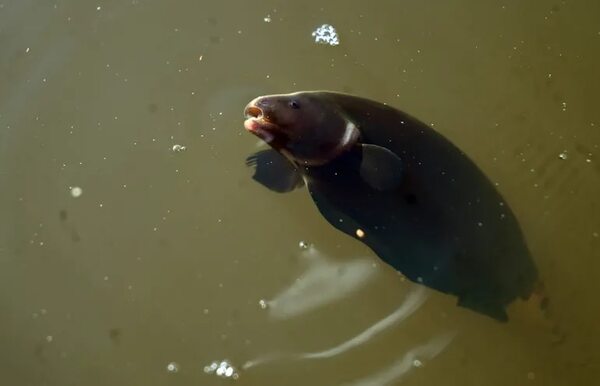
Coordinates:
[324,281]
[410,360]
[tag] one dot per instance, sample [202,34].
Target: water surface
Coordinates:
[165,256]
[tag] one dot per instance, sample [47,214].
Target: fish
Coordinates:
[400,187]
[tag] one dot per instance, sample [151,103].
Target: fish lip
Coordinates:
[262,129]
[253,111]
[258,123]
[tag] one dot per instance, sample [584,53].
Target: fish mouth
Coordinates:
[258,123]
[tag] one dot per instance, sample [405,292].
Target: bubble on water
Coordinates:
[76,191]
[178,148]
[326,34]
[263,304]
[211,368]
[222,369]
[563,155]
[172,367]
[303,244]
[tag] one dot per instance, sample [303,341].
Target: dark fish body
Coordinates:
[407,192]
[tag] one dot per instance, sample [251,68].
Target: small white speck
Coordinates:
[27,50]
[267,19]
[76,191]
[563,155]
[417,363]
[98,8]
[303,245]
[262,303]
[172,367]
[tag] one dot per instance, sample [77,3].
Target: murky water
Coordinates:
[126,261]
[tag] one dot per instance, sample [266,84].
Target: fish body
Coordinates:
[392,182]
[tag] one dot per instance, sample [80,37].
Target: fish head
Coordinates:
[306,127]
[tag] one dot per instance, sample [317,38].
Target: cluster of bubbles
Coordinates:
[326,34]
[178,148]
[222,369]
[563,155]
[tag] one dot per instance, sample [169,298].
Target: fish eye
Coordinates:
[294,104]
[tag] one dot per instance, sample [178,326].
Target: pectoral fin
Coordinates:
[274,171]
[380,168]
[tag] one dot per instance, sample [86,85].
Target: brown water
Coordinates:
[165,256]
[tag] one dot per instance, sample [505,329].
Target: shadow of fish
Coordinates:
[389,180]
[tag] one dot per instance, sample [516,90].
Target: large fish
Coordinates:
[389,180]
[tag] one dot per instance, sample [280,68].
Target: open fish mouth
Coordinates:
[258,123]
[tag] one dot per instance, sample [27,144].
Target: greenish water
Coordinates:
[166,256]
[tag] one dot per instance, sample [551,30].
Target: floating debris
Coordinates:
[267,19]
[222,369]
[417,363]
[303,245]
[563,155]
[360,233]
[172,367]
[178,148]
[76,191]
[263,304]
[326,34]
